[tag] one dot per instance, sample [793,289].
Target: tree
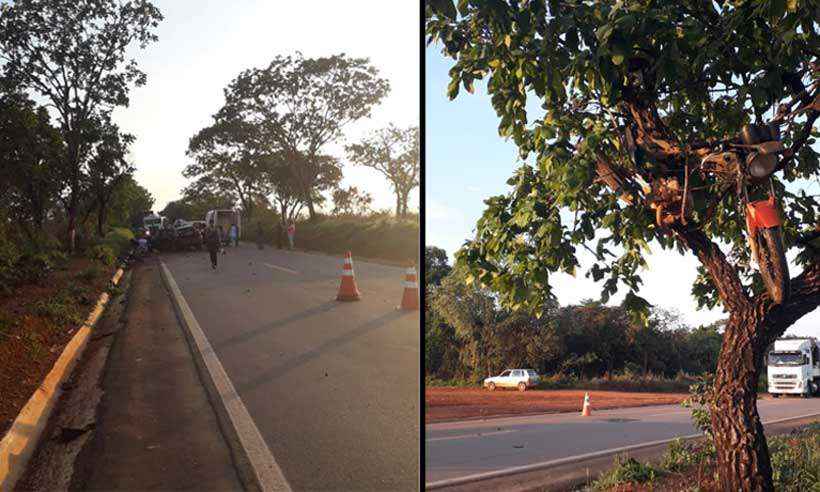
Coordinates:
[351,201]
[225,162]
[627,90]
[297,105]
[73,54]
[129,203]
[107,170]
[394,152]
[30,154]
[436,265]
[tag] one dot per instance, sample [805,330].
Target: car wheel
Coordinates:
[491,386]
[522,386]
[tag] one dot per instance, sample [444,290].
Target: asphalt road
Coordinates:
[460,449]
[332,386]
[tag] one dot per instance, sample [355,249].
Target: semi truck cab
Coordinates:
[794,367]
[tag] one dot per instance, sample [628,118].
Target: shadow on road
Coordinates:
[281,370]
[278,324]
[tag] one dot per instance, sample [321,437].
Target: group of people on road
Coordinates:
[214,234]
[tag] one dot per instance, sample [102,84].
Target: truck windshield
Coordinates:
[786,359]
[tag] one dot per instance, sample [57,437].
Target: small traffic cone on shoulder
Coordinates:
[587,411]
[410,298]
[348,290]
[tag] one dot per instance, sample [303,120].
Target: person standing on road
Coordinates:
[291,233]
[259,233]
[233,234]
[213,241]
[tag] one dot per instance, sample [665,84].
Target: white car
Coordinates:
[513,378]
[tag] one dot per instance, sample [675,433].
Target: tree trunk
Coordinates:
[742,453]
[311,210]
[398,204]
[102,215]
[72,228]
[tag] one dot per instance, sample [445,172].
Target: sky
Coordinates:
[204,44]
[466,162]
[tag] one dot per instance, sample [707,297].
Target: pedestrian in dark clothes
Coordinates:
[214,242]
[259,236]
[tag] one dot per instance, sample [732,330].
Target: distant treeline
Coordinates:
[468,335]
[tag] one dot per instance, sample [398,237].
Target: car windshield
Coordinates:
[505,373]
[786,359]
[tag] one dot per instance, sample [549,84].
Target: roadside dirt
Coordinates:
[443,404]
[33,335]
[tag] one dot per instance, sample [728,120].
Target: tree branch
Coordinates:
[804,298]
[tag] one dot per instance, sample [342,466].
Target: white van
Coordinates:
[224,218]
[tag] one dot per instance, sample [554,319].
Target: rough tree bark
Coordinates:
[743,455]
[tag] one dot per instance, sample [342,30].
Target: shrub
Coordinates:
[682,454]
[61,309]
[119,240]
[89,274]
[103,253]
[796,459]
[626,470]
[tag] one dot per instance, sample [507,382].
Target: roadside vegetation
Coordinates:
[69,197]
[690,466]
[469,336]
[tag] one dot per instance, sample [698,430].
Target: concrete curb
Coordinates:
[570,459]
[23,436]
[258,470]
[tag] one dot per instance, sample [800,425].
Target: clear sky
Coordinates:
[467,162]
[204,44]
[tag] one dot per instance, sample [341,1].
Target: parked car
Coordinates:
[513,378]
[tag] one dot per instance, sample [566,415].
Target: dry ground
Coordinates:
[443,404]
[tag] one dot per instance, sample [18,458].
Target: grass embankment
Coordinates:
[45,297]
[691,466]
[375,237]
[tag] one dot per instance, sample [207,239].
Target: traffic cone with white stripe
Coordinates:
[587,411]
[348,290]
[410,298]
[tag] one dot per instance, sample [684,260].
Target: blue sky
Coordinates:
[204,44]
[467,162]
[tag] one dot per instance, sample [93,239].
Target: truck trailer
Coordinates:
[794,367]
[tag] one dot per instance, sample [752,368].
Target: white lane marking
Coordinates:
[467,436]
[570,459]
[288,270]
[267,473]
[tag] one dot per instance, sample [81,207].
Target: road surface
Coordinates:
[333,387]
[462,449]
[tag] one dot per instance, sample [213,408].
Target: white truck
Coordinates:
[794,367]
[223,219]
[153,223]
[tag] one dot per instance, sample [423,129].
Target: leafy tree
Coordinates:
[74,54]
[225,162]
[394,152]
[129,203]
[196,202]
[30,154]
[107,170]
[436,265]
[351,201]
[628,91]
[297,105]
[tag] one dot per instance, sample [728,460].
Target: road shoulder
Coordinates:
[135,416]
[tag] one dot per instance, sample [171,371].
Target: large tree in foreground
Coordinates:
[602,96]
[297,105]
[74,54]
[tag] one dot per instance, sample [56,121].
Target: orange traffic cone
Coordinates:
[410,298]
[348,290]
[587,411]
